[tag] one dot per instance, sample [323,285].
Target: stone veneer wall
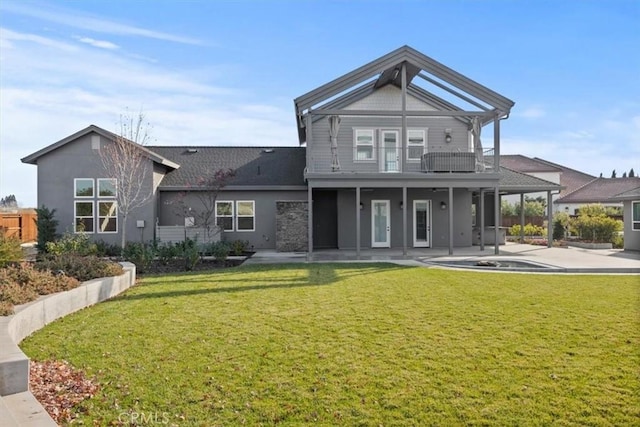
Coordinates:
[291,226]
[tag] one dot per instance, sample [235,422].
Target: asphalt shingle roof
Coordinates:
[570,179]
[633,194]
[511,180]
[254,166]
[600,190]
[520,163]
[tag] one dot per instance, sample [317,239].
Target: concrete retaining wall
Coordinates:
[14,364]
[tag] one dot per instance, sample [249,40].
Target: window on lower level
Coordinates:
[224,215]
[246,215]
[635,216]
[83,222]
[107,217]
[363,145]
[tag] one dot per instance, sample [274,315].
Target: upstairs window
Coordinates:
[363,145]
[106,187]
[224,215]
[635,216]
[83,187]
[416,142]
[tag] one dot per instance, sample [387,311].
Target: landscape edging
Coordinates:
[14,364]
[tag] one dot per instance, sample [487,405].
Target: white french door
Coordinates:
[380,224]
[390,151]
[421,223]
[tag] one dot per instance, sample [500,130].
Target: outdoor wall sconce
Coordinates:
[361,206]
[447,135]
[401,204]
[443,206]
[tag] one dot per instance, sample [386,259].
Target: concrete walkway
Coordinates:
[573,260]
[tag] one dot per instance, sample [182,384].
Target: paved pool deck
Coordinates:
[566,259]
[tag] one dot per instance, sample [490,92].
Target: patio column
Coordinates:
[358,222]
[481,220]
[549,220]
[310,221]
[405,208]
[450,214]
[521,217]
[496,169]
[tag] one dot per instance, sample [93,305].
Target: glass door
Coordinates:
[421,223]
[390,156]
[380,224]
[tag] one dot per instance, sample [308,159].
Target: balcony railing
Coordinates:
[390,160]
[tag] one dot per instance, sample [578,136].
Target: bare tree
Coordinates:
[205,190]
[126,161]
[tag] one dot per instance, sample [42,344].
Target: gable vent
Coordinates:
[268,150]
[192,150]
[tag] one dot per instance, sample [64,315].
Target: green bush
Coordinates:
[82,268]
[104,249]
[167,252]
[238,247]
[190,253]
[140,254]
[594,225]
[46,225]
[72,244]
[529,230]
[10,249]
[220,250]
[618,241]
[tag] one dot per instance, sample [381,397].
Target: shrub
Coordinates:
[72,244]
[618,241]
[594,225]
[238,247]
[82,268]
[220,250]
[167,252]
[10,249]
[140,254]
[189,252]
[46,225]
[104,249]
[529,230]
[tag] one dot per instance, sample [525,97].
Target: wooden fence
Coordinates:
[20,224]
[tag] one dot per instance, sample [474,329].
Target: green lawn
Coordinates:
[359,344]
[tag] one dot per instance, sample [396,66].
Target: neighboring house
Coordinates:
[569,179]
[631,214]
[386,164]
[598,190]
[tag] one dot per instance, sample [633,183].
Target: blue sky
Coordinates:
[226,72]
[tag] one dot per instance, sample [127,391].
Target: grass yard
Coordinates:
[358,344]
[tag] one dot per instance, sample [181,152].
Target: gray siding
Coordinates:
[56,172]
[264,236]
[439,219]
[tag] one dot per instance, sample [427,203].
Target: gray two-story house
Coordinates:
[386,159]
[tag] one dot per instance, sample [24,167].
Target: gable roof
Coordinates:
[524,164]
[512,181]
[600,190]
[570,179]
[254,166]
[633,194]
[386,68]
[33,158]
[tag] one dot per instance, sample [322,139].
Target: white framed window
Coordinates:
[635,216]
[416,144]
[224,215]
[83,187]
[107,217]
[107,187]
[83,216]
[364,145]
[246,215]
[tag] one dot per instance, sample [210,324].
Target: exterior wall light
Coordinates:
[443,206]
[447,135]
[401,204]
[361,206]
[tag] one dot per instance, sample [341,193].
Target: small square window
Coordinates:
[83,187]
[106,187]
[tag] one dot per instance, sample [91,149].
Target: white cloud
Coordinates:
[76,19]
[98,43]
[51,90]
[532,112]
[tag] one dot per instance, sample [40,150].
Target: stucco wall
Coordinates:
[56,173]
[631,237]
[264,236]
